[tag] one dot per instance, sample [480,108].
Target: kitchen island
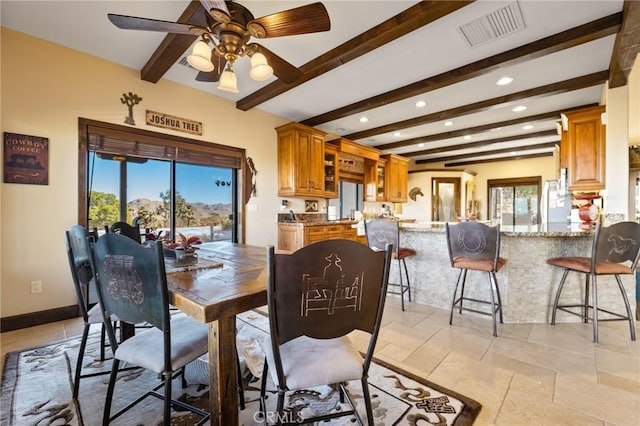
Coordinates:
[527,283]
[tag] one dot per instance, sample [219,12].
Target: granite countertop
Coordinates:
[318,222]
[559,229]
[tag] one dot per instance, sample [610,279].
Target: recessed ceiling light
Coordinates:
[519,108]
[467,137]
[420,145]
[371,140]
[504,81]
[448,123]
[340,129]
[527,127]
[420,104]
[363,119]
[397,134]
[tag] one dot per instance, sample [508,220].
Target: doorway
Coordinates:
[445,199]
[514,201]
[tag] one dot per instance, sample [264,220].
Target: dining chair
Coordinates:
[615,251]
[123,228]
[382,231]
[131,283]
[316,296]
[474,246]
[82,276]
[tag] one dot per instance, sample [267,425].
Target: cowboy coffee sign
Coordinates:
[167,121]
[26,159]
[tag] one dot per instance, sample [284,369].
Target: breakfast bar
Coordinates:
[527,283]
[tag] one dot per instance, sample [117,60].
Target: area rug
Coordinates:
[37,384]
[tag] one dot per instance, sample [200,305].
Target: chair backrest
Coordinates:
[617,243]
[381,231]
[123,228]
[80,264]
[473,240]
[326,290]
[131,281]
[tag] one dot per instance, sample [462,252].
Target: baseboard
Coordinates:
[38,318]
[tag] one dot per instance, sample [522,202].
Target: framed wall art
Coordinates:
[26,159]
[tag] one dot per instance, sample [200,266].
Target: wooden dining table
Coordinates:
[214,295]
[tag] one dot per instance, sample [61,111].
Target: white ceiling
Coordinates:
[430,50]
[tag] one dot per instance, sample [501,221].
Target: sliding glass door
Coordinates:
[514,201]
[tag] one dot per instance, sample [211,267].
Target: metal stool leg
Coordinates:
[557,298]
[585,309]
[401,285]
[406,273]
[453,298]
[495,283]
[464,280]
[493,306]
[594,290]
[632,328]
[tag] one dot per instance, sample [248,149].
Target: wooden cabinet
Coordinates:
[301,156]
[291,237]
[331,171]
[375,180]
[397,178]
[585,140]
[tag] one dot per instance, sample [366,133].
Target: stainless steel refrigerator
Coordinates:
[555,205]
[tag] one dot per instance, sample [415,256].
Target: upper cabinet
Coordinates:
[301,161]
[375,185]
[331,171]
[397,178]
[584,153]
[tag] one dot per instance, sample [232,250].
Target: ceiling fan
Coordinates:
[226,37]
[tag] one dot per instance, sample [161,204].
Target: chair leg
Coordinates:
[401,284]
[453,298]
[367,400]
[495,283]
[112,382]
[280,407]
[464,281]
[632,328]
[103,335]
[240,384]
[585,308]
[406,273]
[263,391]
[167,398]
[594,290]
[557,298]
[83,345]
[493,306]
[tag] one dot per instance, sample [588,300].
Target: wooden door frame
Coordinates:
[457,183]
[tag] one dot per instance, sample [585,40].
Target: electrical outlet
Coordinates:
[36,286]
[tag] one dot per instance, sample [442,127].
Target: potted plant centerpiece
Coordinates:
[183,249]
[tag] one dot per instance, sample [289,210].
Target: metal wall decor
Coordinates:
[130,99]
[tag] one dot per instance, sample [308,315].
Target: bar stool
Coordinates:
[476,246]
[615,251]
[382,231]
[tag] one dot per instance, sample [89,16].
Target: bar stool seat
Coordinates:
[474,246]
[615,251]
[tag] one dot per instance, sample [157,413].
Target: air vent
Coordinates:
[497,24]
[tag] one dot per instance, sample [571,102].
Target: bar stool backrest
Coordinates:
[381,232]
[617,243]
[473,240]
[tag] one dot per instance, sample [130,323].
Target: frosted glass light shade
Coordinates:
[200,57]
[228,82]
[260,69]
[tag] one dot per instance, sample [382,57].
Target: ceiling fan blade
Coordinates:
[217,9]
[219,63]
[311,18]
[281,68]
[136,23]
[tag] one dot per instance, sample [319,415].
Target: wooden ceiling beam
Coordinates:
[488,152]
[480,144]
[393,28]
[573,37]
[626,46]
[495,160]
[173,45]
[572,84]
[477,129]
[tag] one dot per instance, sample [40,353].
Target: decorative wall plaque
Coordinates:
[26,159]
[172,122]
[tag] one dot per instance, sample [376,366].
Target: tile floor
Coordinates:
[532,374]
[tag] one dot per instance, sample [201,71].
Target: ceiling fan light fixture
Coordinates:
[228,81]
[260,69]
[200,57]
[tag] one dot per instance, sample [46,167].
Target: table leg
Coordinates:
[223,380]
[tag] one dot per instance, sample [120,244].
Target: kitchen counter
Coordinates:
[527,283]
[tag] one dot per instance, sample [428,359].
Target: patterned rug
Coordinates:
[37,384]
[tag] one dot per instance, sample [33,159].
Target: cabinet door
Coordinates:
[370,179]
[289,238]
[397,178]
[331,172]
[314,234]
[587,139]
